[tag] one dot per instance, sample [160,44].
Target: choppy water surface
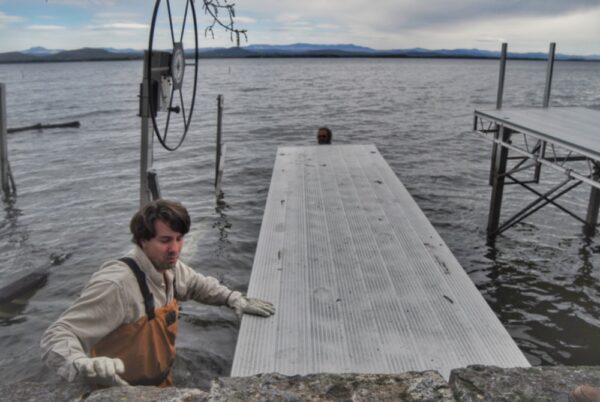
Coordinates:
[77,188]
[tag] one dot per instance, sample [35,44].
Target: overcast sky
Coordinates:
[527,25]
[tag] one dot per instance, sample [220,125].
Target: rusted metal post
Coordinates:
[549,71]
[498,177]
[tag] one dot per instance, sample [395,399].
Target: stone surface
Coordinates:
[42,392]
[410,386]
[76,392]
[126,394]
[489,383]
[474,383]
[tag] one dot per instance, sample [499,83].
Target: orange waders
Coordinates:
[146,346]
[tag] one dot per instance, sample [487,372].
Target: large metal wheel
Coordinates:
[172,88]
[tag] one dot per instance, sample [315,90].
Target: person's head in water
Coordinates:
[324,135]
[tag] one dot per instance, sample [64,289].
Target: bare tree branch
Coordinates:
[212,7]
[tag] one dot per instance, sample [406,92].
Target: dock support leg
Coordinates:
[219,132]
[593,205]
[497,174]
[3,150]
[8,188]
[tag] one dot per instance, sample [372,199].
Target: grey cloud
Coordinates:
[433,13]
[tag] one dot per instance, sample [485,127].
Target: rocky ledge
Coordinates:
[474,383]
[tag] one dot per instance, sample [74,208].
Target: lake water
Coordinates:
[77,188]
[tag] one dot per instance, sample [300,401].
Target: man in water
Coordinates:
[122,328]
[324,135]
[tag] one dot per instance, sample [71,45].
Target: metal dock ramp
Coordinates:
[361,280]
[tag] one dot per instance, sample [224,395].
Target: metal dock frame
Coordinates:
[561,138]
[569,132]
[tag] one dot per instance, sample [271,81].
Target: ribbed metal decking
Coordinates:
[361,280]
[574,128]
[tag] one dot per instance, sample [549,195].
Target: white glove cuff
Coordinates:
[234,299]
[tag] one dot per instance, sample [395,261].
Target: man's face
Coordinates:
[164,248]
[323,136]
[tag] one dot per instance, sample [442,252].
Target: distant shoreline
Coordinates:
[286,56]
[42,55]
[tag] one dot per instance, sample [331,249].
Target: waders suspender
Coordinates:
[141,278]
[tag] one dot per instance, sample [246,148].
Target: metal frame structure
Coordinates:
[518,149]
[524,140]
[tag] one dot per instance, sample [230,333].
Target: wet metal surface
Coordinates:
[361,280]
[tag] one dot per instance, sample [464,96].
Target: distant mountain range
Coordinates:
[40,54]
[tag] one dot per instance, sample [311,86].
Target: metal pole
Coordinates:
[538,166]
[501,76]
[549,74]
[594,202]
[146,157]
[3,145]
[219,131]
[498,177]
[498,106]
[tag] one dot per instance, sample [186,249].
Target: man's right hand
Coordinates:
[101,370]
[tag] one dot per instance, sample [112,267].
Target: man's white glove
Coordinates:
[101,370]
[242,304]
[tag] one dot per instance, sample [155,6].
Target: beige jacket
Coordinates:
[112,298]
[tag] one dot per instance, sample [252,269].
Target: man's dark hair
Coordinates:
[327,138]
[170,212]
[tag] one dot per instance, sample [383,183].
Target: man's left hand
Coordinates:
[248,305]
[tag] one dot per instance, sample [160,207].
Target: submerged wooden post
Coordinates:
[498,171]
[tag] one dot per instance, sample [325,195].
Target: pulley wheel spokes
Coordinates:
[171,76]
